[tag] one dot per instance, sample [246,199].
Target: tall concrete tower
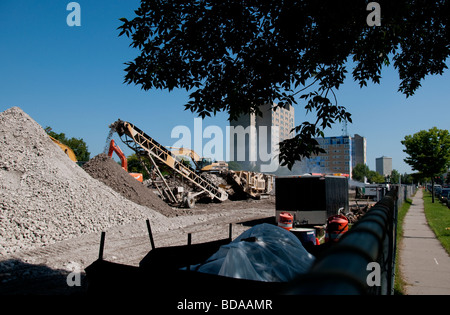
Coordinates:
[383,165]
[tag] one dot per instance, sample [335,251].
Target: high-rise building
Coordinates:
[342,154]
[358,150]
[338,155]
[254,139]
[282,117]
[383,165]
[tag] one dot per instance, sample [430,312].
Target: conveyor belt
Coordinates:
[145,145]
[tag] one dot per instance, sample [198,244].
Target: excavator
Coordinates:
[252,184]
[66,149]
[113,147]
[202,164]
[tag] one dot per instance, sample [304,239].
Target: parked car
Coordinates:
[437,190]
[443,197]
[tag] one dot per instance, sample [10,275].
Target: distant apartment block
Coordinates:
[358,150]
[338,156]
[342,154]
[253,135]
[254,138]
[383,165]
[282,117]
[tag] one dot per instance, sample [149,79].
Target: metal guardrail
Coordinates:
[363,261]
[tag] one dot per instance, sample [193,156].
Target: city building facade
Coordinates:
[383,165]
[338,155]
[342,154]
[358,150]
[254,138]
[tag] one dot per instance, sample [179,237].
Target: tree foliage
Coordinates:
[395,177]
[428,152]
[235,55]
[135,165]
[408,179]
[374,177]
[360,171]
[78,145]
[234,166]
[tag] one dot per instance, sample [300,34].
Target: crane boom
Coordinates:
[144,145]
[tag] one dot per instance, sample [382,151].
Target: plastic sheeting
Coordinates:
[265,252]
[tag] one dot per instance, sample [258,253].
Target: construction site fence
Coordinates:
[363,261]
[405,192]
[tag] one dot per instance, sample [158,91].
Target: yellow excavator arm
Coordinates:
[66,149]
[201,163]
[186,152]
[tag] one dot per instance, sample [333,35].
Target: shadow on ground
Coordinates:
[18,277]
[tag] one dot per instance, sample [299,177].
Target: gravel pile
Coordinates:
[105,169]
[45,197]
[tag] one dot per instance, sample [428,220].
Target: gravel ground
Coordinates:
[45,197]
[44,270]
[52,213]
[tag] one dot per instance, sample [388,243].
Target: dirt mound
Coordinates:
[112,174]
[45,197]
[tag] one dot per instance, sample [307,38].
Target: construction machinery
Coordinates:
[113,147]
[253,184]
[242,183]
[202,164]
[66,149]
[146,147]
[212,180]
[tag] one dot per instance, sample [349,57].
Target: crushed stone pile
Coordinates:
[45,197]
[105,169]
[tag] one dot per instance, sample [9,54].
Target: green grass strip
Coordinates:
[438,217]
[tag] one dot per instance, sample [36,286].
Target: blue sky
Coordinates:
[71,78]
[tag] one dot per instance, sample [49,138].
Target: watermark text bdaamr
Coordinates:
[229,304]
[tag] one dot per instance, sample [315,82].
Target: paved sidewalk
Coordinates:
[424,263]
